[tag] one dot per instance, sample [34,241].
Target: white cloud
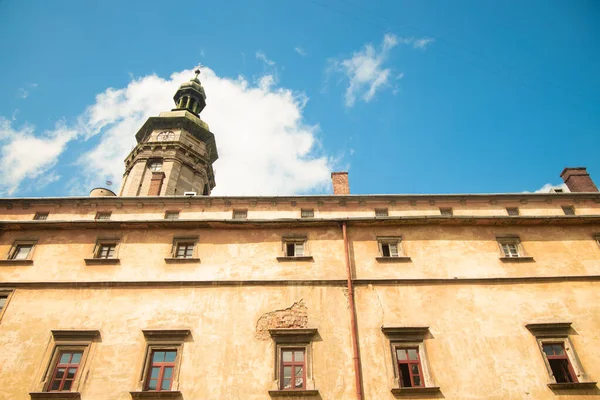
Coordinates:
[262,56]
[23,92]
[27,156]
[422,43]
[548,187]
[365,72]
[300,51]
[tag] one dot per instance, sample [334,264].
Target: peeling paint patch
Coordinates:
[295,316]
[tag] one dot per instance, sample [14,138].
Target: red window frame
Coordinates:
[550,346]
[293,364]
[409,363]
[64,379]
[162,367]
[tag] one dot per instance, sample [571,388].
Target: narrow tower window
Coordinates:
[155,165]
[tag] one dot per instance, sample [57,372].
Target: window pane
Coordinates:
[170,356]
[152,384]
[404,375]
[166,384]
[548,349]
[298,378]
[22,252]
[55,385]
[159,356]
[154,372]
[111,252]
[415,369]
[65,358]
[412,354]
[385,250]
[560,370]
[287,356]
[168,373]
[60,373]
[393,250]
[299,355]
[76,358]
[71,373]
[287,377]
[2,302]
[299,249]
[417,380]
[401,354]
[67,385]
[290,249]
[558,350]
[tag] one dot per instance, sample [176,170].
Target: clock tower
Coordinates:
[175,151]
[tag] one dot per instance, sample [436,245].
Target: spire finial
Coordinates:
[197,71]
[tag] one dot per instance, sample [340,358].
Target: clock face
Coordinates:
[166,135]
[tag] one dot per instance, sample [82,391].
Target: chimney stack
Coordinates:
[578,180]
[340,183]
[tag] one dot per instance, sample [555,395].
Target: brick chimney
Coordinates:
[578,180]
[340,183]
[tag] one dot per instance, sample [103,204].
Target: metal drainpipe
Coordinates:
[354,330]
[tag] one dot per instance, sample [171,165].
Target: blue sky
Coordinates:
[410,96]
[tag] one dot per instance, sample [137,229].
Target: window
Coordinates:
[65,361]
[568,210]
[106,250]
[240,214]
[40,216]
[512,211]
[161,367]
[103,215]
[307,213]
[162,361]
[511,248]
[390,249]
[172,215]
[410,369]
[293,370]
[3,299]
[5,295]
[562,363]
[65,370]
[155,165]
[446,212]
[21,252]
[295,248]
[183,250]
[381,212]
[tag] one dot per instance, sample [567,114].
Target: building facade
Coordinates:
[153,294]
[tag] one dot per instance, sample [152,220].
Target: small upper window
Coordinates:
[381,212]
[512,211]
[240,214]
[568,210]
[103,215]
[446,212]
[155,165]
[40,216]
[172,215]
[307,213]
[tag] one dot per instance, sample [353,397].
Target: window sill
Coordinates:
[173,260]
[572,385]
[415,391]
[516,259]
[293,393]
[55,395]
[393,259]
[170,394]
[16,262]
[101,261]
[295,258]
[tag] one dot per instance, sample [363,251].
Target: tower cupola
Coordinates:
[190,96]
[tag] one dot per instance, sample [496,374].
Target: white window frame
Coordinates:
[299,242]
[505,252]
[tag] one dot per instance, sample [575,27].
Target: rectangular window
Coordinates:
[22,251]
[103,215]
[4,296]
[568,210]
[446,212]
[409,367]
[240,214]
[106,250]
[512,211]
[172,215]
[381,212]
[184,250]
[294,249]
[307,213]
[65,371]
[293,369]
[40,216]
[390,247]
[559,362]
[160,373]
[3,299]
[510,249]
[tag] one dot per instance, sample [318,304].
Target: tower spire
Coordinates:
[191,96]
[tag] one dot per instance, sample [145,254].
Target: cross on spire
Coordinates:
[197,71]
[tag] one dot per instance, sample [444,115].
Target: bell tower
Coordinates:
[175,151]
